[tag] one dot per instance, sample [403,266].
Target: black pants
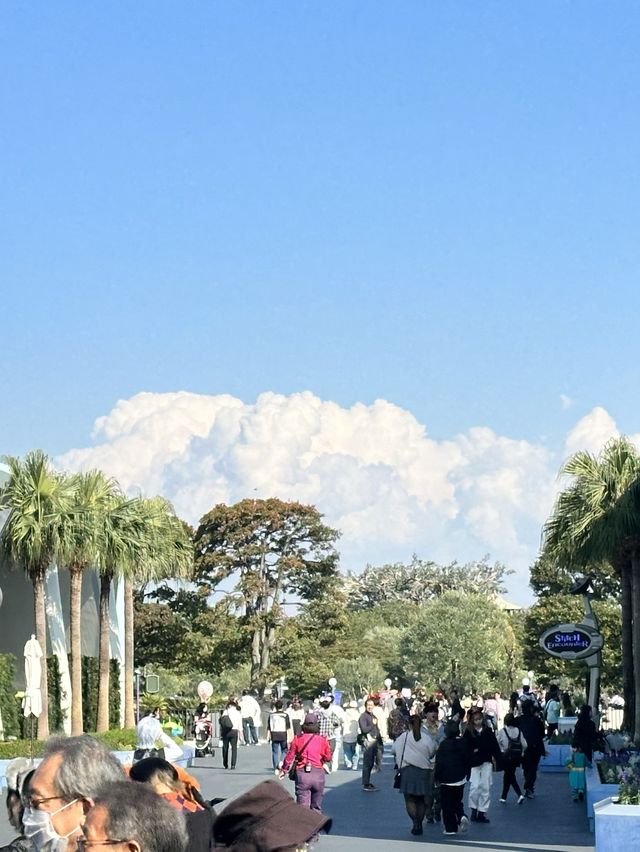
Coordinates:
[451,803]
[530,768]
[509,779]
[230,739]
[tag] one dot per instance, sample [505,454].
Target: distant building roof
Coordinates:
[507,606]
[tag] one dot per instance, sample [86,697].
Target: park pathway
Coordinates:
[377,821]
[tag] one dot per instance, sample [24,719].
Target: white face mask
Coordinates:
[38,828]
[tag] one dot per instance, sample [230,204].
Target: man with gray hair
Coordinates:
[130,816]
[63,787]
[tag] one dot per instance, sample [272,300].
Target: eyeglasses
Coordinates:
[35,804]
[83,843]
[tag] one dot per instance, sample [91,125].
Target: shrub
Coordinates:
[7,699]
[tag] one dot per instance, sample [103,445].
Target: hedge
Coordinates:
[123,739]
[7,701]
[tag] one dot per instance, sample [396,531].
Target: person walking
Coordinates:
[585,734]
[296,714]
[278,727]
[552,711]
[370,740]
[328,720]
[250,711]
[414,751]
[532,728]
[434,729]
[513,747]
[483,750]
[452,770]
[230,727]
[309,753]
[350,731]
[398,721]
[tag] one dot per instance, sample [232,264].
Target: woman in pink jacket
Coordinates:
[309,752]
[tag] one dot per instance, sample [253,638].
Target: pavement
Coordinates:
[377,821]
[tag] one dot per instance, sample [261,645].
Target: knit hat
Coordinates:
[265,819]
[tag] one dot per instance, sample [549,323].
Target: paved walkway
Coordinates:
[377,822]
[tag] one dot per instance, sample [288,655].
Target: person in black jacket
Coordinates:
[451,772]
[585,734]
[532,729]
[483,750]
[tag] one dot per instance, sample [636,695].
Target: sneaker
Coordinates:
[417,829]
[520,800]
[348,765]
[449,833]
[369,788]
[529,794]
[430,820]
[503,801]
[464,824]
[482,817]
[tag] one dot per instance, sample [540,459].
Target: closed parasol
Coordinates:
[32,701]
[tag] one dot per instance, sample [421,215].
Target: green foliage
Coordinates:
[422,581]
[359,676]
[556,609]
[462,639]
[90,680]
[122,739]
[20,748]
[56,719]
[7,700]
[271,548]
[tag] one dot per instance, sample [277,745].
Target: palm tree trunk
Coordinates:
[103,654]
[75,605]
[628,684]
[635,611]
[40,618]
[129,712]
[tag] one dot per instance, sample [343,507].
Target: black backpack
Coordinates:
[514,749]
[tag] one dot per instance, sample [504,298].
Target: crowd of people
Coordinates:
[79,796]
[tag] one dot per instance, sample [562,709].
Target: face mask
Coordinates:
[38,828]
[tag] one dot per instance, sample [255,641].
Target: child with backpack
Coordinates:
[513,746]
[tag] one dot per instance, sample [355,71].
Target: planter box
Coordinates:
[617,826]
[597,792]
[123,756]
[558,756]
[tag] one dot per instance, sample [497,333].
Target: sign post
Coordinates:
[582,641]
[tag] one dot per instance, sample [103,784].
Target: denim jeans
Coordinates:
[249,731]
[278,751]
[350,752]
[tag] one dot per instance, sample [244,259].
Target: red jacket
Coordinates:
[308,748]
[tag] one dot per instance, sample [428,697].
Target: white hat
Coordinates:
[525,681]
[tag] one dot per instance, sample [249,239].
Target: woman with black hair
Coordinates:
[414,751]
[585,734]
[483,750]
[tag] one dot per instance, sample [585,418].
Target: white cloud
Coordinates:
[371,469]
[591,432]
[565,401]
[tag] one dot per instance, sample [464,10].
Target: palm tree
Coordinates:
[37,498]
[93,492]
[166,553]
[122,545]
[597,518]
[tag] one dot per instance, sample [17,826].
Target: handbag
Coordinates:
[397,775]
[298,759]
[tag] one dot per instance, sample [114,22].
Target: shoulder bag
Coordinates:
[298,759]
[397,775]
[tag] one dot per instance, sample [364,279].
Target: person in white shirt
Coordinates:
[148,733]
[296,714]
[350,731]
[230,727]
[250,710]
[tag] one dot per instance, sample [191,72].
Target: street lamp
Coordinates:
[332,683]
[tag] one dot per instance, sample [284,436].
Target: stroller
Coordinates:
[203,731]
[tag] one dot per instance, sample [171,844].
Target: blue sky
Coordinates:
[435,204]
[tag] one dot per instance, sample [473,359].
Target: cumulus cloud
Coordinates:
[591,432]
[372,470]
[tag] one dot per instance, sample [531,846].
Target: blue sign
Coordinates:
[571,641]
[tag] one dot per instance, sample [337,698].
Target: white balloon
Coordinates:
[332,682]
[205,690]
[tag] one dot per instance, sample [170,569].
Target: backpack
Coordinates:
[514,749]
[226,724]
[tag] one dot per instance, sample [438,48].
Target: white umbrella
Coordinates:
[32,701]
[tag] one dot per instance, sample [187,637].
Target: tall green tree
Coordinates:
[37,498]
[597,518]
[267,548]
[165,551]
[463,640]
[92,493]
[421,581]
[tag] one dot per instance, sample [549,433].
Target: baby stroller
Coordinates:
[203,731]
